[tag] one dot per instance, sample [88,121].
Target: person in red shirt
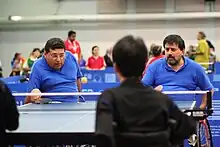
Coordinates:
[156,51]
[72,45]
[95,62]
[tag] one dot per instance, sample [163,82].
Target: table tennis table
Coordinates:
[61,123]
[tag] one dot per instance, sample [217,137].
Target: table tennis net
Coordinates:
[88,106]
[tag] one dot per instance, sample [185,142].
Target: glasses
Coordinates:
[55,56]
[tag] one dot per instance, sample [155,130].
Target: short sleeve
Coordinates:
[79,73]
[34,79]
[149,76]
[201,47]
[202,78]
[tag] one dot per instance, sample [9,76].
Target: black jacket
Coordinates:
[134,112]
[108,61]
[9,116]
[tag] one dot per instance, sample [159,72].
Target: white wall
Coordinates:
[103,35]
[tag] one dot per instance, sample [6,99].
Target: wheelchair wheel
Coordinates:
[204,134]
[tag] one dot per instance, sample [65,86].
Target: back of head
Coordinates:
[202,34]
[130,55]
[156,50]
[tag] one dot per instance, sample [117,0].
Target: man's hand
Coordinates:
[159,88]
[35,99]
[202,106]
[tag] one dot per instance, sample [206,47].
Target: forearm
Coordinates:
[204,99]
[79,86]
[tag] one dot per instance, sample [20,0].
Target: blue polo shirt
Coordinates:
[190,77]
[48,80]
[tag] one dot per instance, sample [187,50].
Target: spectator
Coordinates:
[95,62]
[82,62]
[156,52]
[17,64]
[30,61]
[108,58]
[72,45]
[188,53]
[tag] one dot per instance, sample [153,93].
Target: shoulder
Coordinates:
[4,89]
[193,64]
[90,58]
[2,86]
[106,97]
[157,64]
[101,58]
[70,56]
[76,41]
[38,63]
[202,42]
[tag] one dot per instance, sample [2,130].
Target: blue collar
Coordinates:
[167,67]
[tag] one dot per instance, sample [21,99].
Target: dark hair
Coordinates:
[130,55]
[70,33]
[202,35]
[156,50]
[174,39]
[14,58]
[54,43]
[35,49]
[94,48]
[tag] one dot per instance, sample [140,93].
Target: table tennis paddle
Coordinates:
[44,101]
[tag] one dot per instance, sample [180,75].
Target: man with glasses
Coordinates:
[176,72]
[56,71]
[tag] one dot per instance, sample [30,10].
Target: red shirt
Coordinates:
[95,62]
[151,60]
[73,47]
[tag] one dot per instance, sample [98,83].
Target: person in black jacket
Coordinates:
[108,58]
[134,115]
[9,116]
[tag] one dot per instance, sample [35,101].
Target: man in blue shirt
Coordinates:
[56,71]
[177,73]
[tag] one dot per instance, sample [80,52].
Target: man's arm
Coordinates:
[204,84]
[148,78]
[204,100]
[79,85]
[79,76]
[33,85]
[104,116]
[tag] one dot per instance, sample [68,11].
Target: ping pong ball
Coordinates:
[84,80]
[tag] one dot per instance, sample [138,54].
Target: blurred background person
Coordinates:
[191,49]
[17,63]
[202,53]
[34,55]
[82,62]
[156,53]
[72,45]
[108,58]
[95,62]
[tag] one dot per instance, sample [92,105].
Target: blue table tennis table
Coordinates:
[61,123]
